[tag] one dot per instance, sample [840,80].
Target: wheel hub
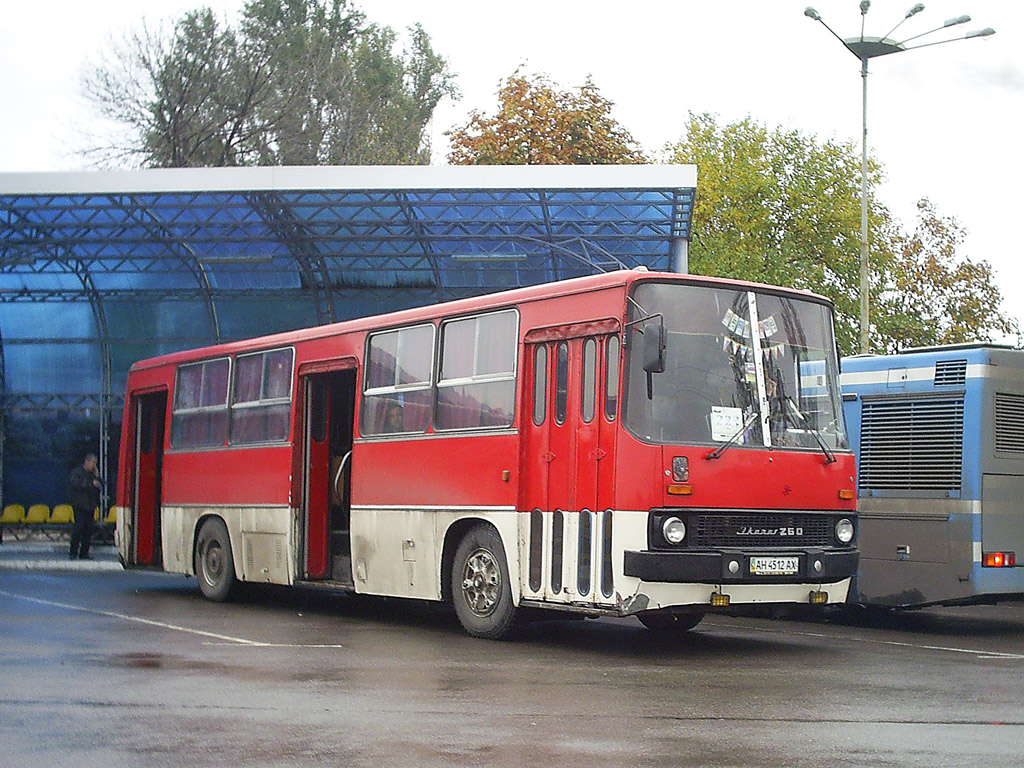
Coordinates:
[213,562]
[481,582]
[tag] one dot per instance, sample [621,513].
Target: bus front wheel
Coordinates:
[215,567]
[481,589]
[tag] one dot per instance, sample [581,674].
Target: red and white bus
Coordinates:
[631,443]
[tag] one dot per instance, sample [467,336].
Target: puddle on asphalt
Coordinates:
[165,662]
[157,661]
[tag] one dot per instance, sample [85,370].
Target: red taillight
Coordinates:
[999,559]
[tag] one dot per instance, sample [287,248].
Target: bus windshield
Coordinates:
[751,368]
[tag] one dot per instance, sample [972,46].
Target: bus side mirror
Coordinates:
[653,349]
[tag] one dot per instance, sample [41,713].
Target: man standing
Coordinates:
[85,497]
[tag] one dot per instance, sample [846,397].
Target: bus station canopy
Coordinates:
[100,269]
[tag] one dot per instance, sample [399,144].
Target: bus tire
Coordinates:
[481,590]
[214,564]
[666,621]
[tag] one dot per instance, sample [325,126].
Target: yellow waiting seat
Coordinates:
[111,518]
[62,514]
[37,513]
[14,514]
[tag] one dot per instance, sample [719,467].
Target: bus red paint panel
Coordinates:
[439,471]
[228,477]
[741,478]
[763,479]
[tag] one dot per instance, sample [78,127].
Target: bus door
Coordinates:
[329,399]
[566,468]
[150,412]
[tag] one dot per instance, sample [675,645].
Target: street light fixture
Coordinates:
[865,48]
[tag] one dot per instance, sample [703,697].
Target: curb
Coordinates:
[56,565]
[49,557]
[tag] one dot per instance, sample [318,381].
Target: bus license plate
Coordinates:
[774,566]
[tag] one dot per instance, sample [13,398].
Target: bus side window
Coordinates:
[611,384]
[261,405]
[540,384]
[147,430]
[318,409]
[200,414]
[397,389]
[476,387]
[589,404]
[561,382]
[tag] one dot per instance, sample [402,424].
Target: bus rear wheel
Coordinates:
[214,565]
[481,589]
[666,621]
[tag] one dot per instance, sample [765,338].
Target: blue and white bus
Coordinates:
[939,439]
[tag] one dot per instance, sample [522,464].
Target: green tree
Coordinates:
[778,207]
[339,92]
[781,207]
[296,82]
[538,124]
[927,293]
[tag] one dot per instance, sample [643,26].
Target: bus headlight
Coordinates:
[844,531]
[673,530]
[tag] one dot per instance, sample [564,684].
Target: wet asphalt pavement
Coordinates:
[101,667]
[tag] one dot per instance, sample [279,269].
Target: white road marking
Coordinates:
[225,639]
[892,643]
[255,644]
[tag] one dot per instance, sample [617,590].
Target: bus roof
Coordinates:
[623,277]
[925,356]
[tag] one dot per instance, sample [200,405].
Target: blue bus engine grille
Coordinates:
[763,530]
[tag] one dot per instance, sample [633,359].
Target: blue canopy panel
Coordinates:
[141,263]
[98,270]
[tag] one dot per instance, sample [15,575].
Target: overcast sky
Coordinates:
[945,121]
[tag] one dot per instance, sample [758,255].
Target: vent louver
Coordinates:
[912,445]
[950,372]
[1009,423]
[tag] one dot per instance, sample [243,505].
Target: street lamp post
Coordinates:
[865,48]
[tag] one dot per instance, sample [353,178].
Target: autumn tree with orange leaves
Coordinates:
[538,124]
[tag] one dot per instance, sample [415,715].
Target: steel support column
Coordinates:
[548,233]
[189,260]
[300,244]
[421,236]
[99,315]
[680,255]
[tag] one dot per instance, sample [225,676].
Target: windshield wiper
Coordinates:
[806,424]
[724,446]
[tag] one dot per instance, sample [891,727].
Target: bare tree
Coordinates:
[297,82]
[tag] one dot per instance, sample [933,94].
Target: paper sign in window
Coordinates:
[725,422]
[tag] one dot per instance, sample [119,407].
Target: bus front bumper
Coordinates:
[729,566]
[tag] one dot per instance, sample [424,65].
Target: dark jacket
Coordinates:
[84,495]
